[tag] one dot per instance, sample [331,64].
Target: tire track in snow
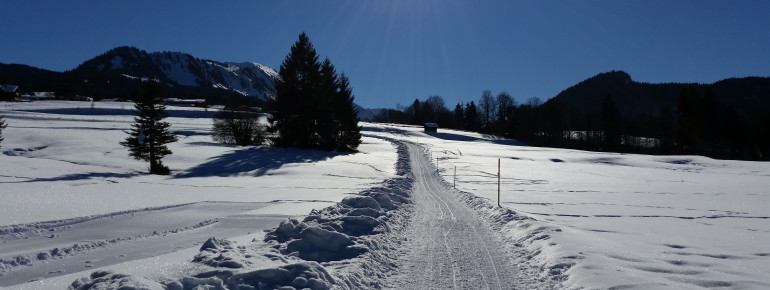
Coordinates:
[447,246]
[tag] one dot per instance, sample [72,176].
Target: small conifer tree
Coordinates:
[149,134]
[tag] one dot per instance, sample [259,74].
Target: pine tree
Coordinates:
[689,119]
[347,133]
[313,105]
[326,108]
[459,115]
[149,134]
[2,126]
[296,95]
[505,104]
[611,124]
[471,117]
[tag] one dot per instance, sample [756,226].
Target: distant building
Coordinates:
[83,98]
[184,102]
[431,127]
[41,96]
[9,93]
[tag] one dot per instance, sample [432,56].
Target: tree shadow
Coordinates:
[486,138]
[77,176]
[85,111]
[255,161]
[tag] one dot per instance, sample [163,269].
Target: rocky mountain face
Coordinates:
[116,74]
[181,69]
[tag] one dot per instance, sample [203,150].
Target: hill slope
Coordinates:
[632,97]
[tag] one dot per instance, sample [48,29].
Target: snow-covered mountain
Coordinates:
[367,115]
[182,69]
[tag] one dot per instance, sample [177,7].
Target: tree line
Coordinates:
[699,124]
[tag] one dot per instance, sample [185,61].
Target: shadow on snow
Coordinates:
[172,112]
[485,138]
[447,135]
[255,161]
[77,176]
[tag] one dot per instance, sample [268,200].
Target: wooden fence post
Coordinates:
[498,182]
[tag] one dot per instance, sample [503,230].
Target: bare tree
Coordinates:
[534,102]
[238,125]
[504,103]
[487,109]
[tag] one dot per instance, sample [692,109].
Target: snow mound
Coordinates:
[361,202]
[322,245]
[339,232]
[109,280]
[218,253]
[359,237]
[300,276]
[214,244]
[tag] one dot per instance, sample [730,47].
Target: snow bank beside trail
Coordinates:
[527,239]
[357,238]
[350,245]
[109,280]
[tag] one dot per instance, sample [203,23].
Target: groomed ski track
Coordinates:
[448,246]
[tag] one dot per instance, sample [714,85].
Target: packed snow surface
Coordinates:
[78,212]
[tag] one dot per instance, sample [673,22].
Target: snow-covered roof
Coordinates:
[9,88]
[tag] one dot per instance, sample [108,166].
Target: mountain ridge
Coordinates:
[633,97]
[115,73]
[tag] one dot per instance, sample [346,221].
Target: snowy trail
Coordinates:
[448,245]
[117,239]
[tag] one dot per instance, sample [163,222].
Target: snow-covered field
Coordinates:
[62,160]
[61,164]
[635,221]
[74,202]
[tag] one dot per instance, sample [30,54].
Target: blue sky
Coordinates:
[399,50]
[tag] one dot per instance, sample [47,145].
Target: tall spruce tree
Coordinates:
[325,107]
[459,116]
[611,124]
[149,134]
[347,132]
[295,95]
[313,104]
[689,121]
[471,117]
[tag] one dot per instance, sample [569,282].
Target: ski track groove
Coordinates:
[448,246]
